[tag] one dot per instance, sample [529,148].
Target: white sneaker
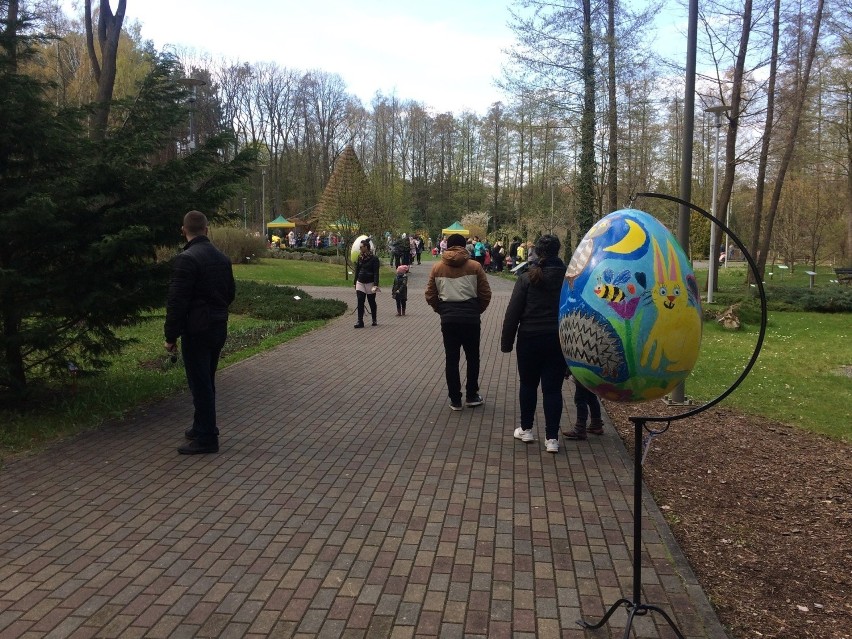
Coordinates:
[551,445]
[524,435]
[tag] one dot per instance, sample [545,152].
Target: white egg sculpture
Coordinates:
[356,247]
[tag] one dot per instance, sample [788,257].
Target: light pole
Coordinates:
[245,221]
[718,110]
[263,199]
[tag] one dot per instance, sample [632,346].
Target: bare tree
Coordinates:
[763,158]
[733,116]
[612,112]
[104,70]
[325,106]
[802,78]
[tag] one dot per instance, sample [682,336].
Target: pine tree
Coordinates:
[80,222]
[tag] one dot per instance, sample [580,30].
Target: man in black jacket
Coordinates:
[200,291]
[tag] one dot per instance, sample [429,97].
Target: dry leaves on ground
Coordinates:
[763,513]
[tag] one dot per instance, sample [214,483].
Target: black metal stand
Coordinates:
[635,607]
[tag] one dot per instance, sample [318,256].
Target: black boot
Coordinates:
[196,447]
[190,433]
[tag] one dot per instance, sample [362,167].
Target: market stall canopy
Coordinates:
[281,222]
[455,227]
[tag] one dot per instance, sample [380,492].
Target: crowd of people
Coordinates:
[457,289]
[310,239]
[408,249]
[496,257]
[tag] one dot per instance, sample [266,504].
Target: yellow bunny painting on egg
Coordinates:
[674,338]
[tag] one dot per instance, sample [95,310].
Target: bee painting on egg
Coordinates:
[630,312]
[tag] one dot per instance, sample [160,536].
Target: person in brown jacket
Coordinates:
[458,291]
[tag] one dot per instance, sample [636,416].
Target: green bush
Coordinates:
[825,299]
[278,303]
[832,299]
[829,300]
[328,255]
[239,245]
[325,252]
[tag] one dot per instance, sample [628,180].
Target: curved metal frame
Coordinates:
[760,289]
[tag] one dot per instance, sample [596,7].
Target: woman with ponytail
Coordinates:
[533,315]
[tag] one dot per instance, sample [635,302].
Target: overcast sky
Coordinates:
[445,54]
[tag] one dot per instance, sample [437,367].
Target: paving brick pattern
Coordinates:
[347,501]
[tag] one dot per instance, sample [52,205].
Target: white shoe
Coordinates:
[524,435]
[551,445]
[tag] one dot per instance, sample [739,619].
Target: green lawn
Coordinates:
[299,273]
[800,377]
[734,275]
[142,374]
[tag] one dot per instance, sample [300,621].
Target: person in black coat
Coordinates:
[200,291]
[533,315]
[366,281]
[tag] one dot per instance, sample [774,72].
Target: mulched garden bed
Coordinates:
[763,513]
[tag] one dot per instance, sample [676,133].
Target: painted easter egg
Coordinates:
[356,247]
[630,312]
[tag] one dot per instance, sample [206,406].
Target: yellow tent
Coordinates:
[280,222]
[455,227]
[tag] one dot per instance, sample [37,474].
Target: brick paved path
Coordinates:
[347,501]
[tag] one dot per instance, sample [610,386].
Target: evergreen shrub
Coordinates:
[825,299]
[278,303]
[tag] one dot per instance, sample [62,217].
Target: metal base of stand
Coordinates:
[634,610]
[635,607]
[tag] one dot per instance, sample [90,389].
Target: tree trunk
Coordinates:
[613,109]
[14,359]
[109,32]
[10,33]
[790,143]
[731,137]
[767,136]
[586,187]
[849,197]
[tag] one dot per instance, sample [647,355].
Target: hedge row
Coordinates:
[279,303]
[824,299]
[306,256]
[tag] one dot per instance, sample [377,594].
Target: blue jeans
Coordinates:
[540,361]
[457,337]
[200,353]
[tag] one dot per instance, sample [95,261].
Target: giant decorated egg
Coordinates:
[630,311]
[356,247]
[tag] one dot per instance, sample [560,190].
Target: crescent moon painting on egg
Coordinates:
[632,241]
